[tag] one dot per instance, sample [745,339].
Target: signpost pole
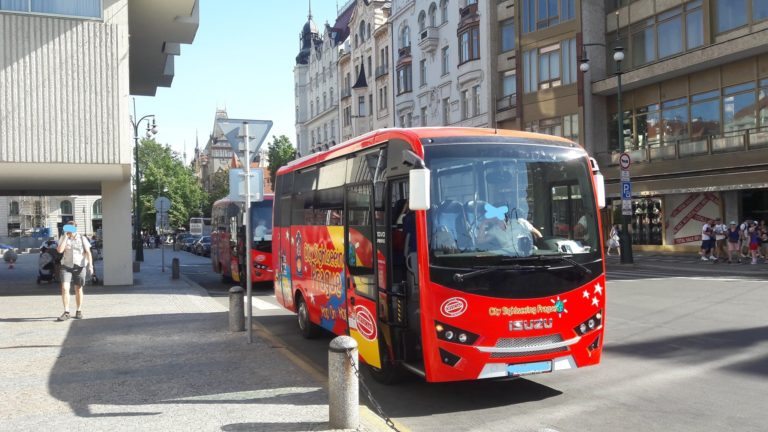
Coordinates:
[162,240]
[247,261]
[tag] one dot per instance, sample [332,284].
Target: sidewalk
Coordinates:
[687,264]
[153,356]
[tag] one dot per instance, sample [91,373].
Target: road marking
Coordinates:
[263,305]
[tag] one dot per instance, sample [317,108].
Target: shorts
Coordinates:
[753,246]
[707,244]
[733,246]
[73,274]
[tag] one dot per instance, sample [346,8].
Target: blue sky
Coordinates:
[242,59]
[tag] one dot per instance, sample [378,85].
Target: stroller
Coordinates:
[48,264]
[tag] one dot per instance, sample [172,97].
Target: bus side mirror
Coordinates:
[599,183]
[418,189]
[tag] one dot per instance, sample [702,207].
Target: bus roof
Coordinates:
[267,197]
[415,134]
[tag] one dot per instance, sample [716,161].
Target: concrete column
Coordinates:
[116,228]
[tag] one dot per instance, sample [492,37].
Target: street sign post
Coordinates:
[162,205]
[626,185]
[247,136]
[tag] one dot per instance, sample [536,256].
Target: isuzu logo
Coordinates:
[534,324]
[453,307]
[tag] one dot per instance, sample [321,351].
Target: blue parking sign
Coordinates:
[626,190]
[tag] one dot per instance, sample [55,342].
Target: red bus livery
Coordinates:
[453,253]
[228,240]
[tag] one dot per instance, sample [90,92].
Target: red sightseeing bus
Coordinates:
[454,253]
[228,250]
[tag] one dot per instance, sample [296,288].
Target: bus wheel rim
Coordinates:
[303,315]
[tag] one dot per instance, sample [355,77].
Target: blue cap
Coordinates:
[70,228]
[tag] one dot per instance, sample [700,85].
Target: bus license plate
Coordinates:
[529,368]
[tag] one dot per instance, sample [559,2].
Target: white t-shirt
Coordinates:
[74,251]
[705,232]
[720,231]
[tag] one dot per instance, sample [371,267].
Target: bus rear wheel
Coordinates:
[308,329]
[388,374]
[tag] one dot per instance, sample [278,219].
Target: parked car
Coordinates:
[203,246]
[188,242]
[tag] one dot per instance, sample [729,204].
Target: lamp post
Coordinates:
[137,196]
[625,239]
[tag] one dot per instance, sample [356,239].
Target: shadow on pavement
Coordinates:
[167,359]
[275,427]
[701,348]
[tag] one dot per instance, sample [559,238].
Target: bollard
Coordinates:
[236,309]
[175,268]
[343,387]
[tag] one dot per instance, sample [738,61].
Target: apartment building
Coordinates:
[67,70]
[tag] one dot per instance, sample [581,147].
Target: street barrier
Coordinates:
[343,385]
[236,309]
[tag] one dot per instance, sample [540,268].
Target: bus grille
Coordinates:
[530,342]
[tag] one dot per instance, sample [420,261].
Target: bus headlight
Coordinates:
[454,334]
[589,324]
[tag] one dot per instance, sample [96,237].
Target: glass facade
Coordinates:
[69,8]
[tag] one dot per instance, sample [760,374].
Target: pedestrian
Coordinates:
[706,242]
[613,240]
[764,241]
[734,236]
[721,247]
[754,241]
[744,243]
[76,255]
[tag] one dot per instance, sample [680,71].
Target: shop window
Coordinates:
[646,221]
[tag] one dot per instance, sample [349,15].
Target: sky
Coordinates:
[242,60]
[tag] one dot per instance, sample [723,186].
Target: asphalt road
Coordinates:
[682,353]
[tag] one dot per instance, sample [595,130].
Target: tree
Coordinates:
[280,152]
[161,168]
[219,188]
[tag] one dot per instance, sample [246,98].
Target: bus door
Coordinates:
[360,275]
[283,259]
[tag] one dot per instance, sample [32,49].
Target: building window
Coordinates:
[571,127]
[476,100]
[759,10]
[509,83]
[370,66]
[312,109]
[763,103]
[404,79]
[568,50]
[549,67]
[551,126]
[529,71]
[705,114]
[14,208]
[469,44]
[432,15]
[508,35]
[66,207]
[444,60]
[405,37]
[464,97]
[443,11]
[541,14]
[674,120]
[423,119]
[422,21]
[361,31]
[333,100]
[739,107]
[361,106]
[325,101]
[80,8]
[423,72]
[731,14]
[347,116]
[446,108]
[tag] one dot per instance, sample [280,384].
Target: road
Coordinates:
[682,353]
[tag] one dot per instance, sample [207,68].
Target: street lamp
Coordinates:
[625,240]
[137,212]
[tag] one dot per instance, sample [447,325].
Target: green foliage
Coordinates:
[160,168]
[280,152]
[219,189]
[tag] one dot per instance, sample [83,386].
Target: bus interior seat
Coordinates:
[450,217]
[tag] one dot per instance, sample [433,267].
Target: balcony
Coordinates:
[404,56]
[382,70]
[468,15]
[429,39]
[346,92]
[506,102]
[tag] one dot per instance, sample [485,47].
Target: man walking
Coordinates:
[707,242]
[721,249]
[76,254]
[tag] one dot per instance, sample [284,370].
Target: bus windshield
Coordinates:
[497,203]
[261,220]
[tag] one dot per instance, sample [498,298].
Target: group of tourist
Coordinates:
[734,243]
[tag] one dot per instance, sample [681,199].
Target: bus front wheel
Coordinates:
[308,329]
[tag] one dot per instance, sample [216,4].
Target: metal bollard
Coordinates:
[175,268]
[343,387]
[236,309]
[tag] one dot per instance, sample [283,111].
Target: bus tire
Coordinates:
[308,329]
[388,374]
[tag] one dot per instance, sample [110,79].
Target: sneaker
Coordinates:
[63,317]
[79,315]
[704,258]
[712,258]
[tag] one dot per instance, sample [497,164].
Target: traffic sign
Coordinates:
[625,161]
[626,207]
[625,175]
[626,190]
[162,204]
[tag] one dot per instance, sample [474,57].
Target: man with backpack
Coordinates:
[720,231]
[707,242]
[76,255]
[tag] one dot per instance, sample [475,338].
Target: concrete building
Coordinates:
[67,70]
[25,221]
[694,92]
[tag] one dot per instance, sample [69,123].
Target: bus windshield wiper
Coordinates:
[461,277]
[566,258]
